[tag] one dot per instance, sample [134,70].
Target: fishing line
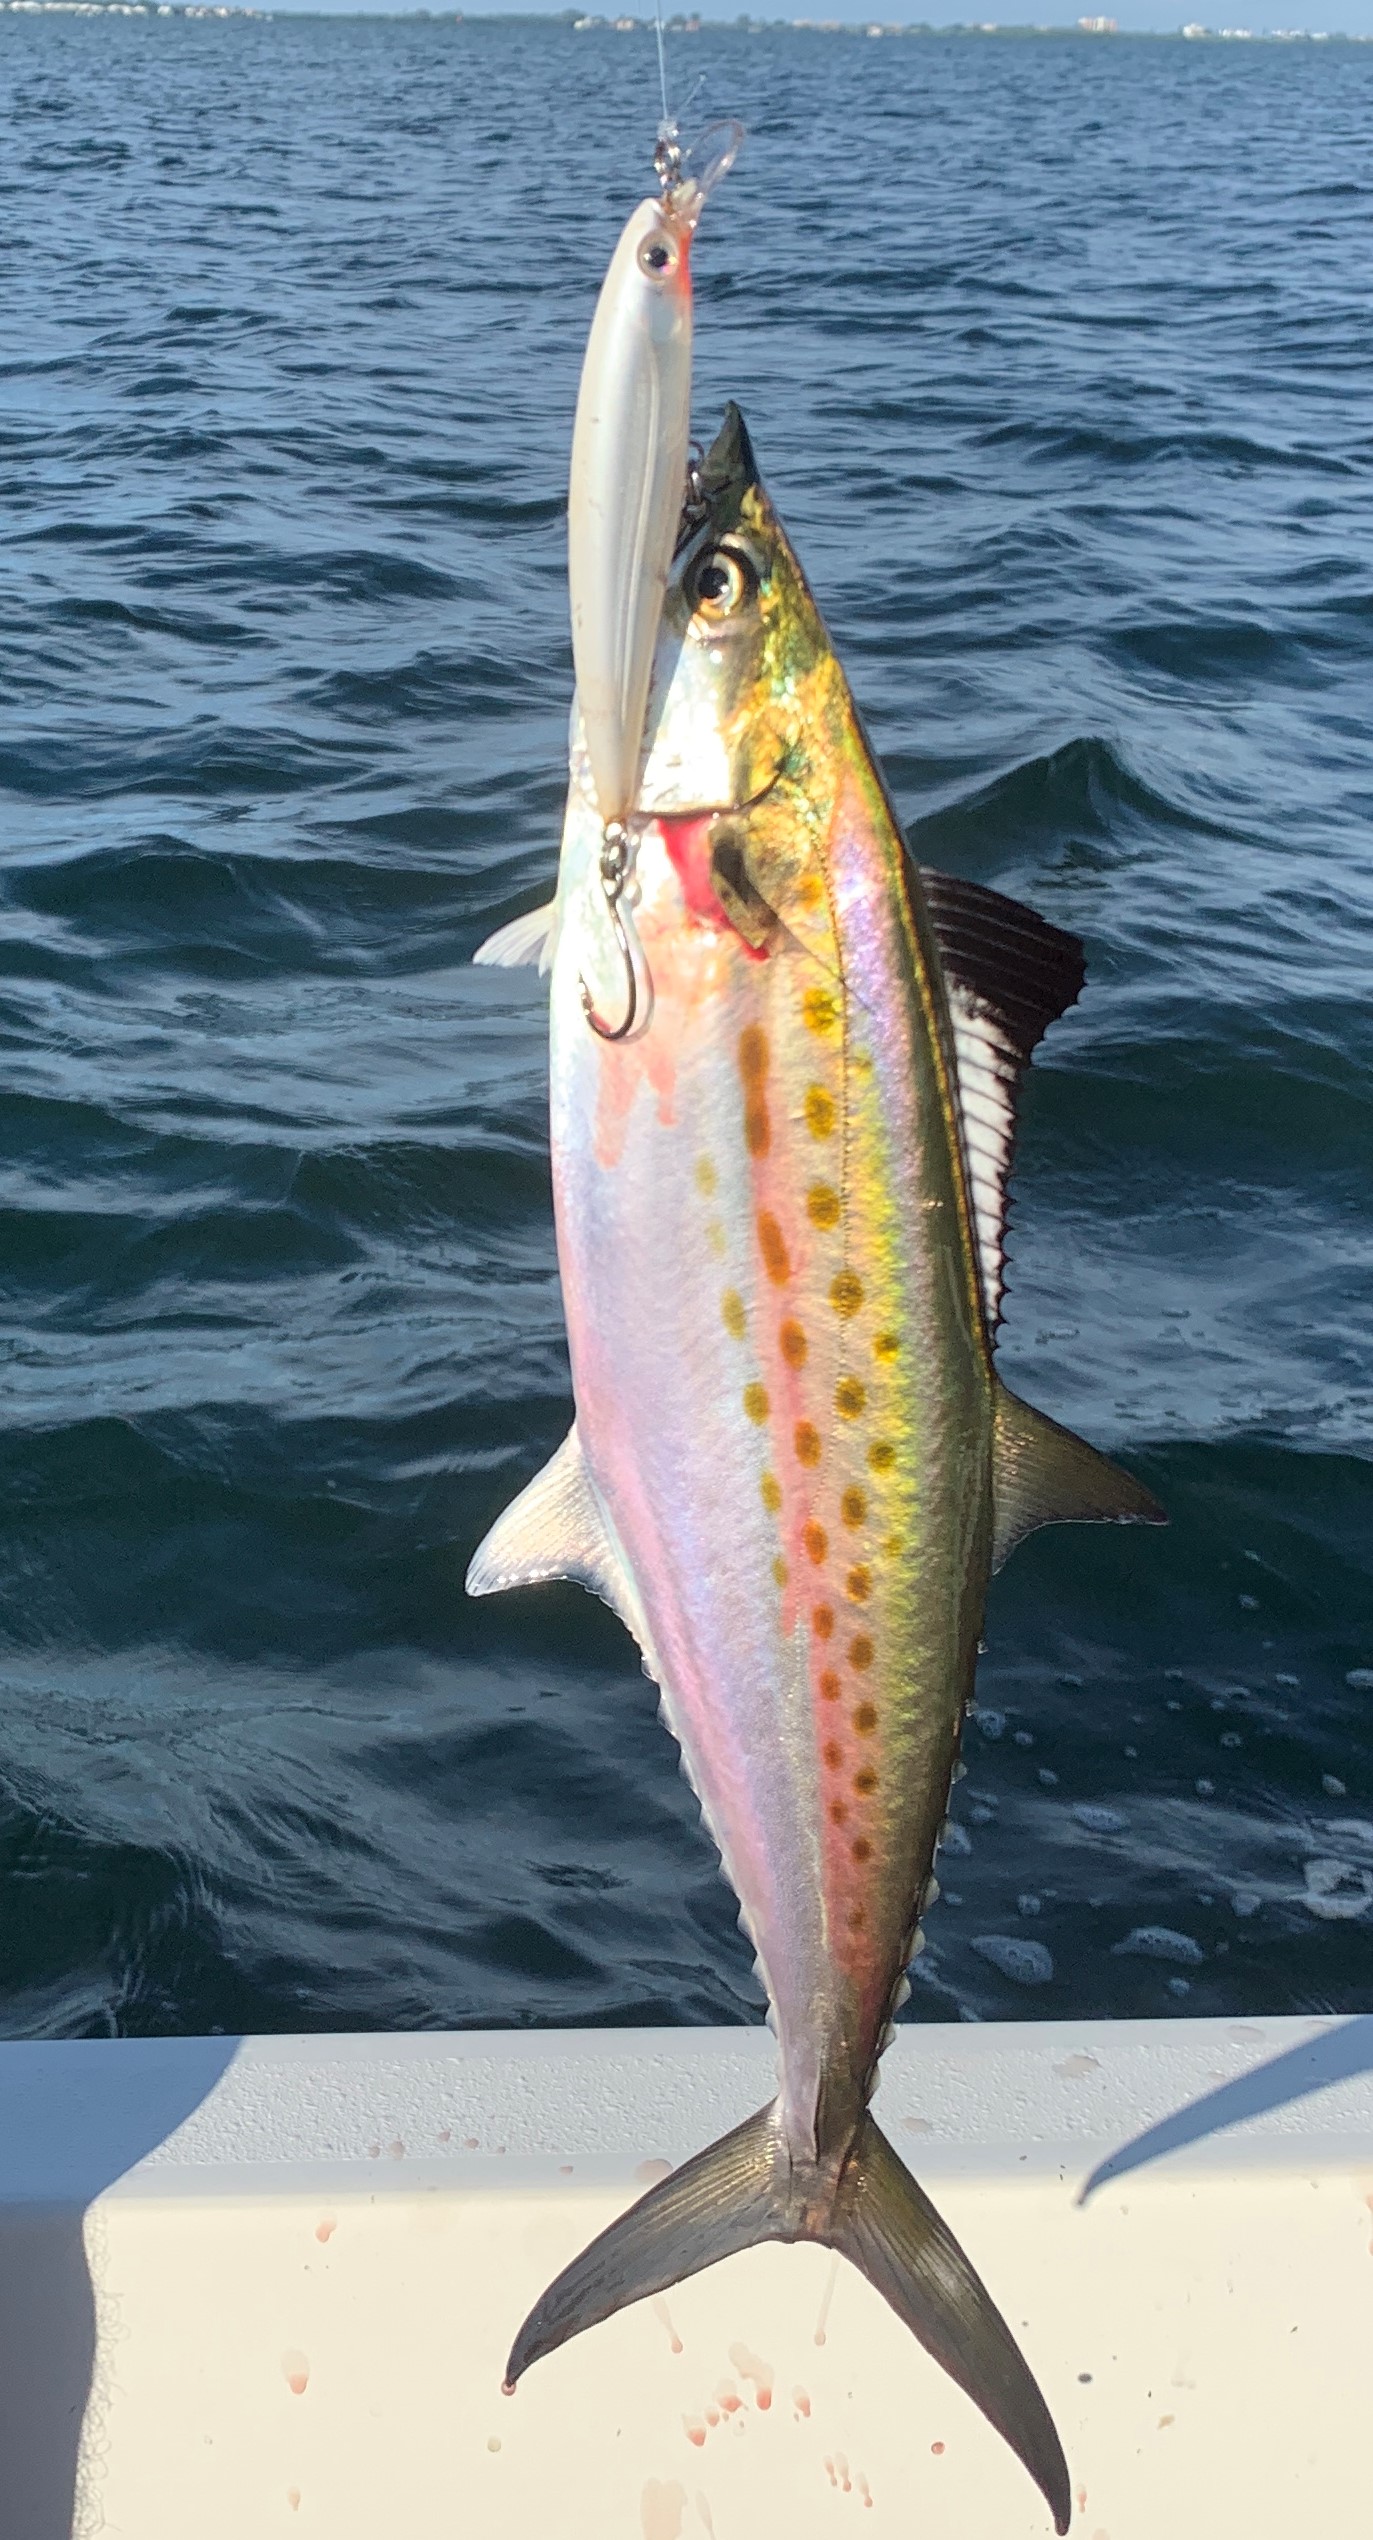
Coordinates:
[667,130]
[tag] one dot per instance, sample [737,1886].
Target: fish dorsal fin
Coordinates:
[1043,1475]
[557,1529]
[1009,974]
[526,939]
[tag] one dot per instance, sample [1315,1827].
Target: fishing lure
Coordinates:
[630,446]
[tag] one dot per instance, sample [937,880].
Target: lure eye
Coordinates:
[657,256]
[720,582]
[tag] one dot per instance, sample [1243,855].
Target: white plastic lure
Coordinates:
[629,461]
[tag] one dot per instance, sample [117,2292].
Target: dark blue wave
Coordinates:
[1055,357]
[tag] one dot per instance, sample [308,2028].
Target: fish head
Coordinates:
[747,715]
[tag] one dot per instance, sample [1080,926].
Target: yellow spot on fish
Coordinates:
[860,1653]
[846,1293]
[807,1443]
[793,1342]
[853,1507]
[858,1584]
[822,1205]
[820,1011]
[732,1313]
[810,891]
[819,1111]
[771,1492]
[849,1398]
[772,1245]
[715,1237]
[887,1345]
[865,1718]
[780,1569]
[706,1177]
[822,1621]
[816,1541]
[756,1402]
[881,1455]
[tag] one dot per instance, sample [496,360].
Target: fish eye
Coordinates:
[657,256]
[719,583]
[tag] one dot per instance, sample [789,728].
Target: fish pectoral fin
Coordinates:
[523,942]
[723,2200]
[886,2226]
[557,1529]
[1043,1475]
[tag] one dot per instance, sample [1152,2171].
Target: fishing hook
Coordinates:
[616,850]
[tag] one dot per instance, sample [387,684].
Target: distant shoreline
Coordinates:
[1086,30]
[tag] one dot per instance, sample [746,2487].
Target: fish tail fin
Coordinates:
[723,2200]
[886,2226]
[746,2189]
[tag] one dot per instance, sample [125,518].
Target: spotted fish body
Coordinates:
[807,1504]
[793,1464]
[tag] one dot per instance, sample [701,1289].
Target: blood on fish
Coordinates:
[688,842]
[324,2231]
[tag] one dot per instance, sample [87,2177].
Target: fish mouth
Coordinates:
[727,473]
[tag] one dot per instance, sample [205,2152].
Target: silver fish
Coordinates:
[794,1466]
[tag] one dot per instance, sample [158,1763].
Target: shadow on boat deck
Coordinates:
[71,2123]
[1335,2055]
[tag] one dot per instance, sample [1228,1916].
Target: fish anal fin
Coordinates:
[1008,975]
[525,941]
[557,1529]
[748,2188]
[1044,1475]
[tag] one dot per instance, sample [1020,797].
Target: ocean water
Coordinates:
[1055,355]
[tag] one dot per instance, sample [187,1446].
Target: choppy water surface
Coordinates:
[1056,359]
